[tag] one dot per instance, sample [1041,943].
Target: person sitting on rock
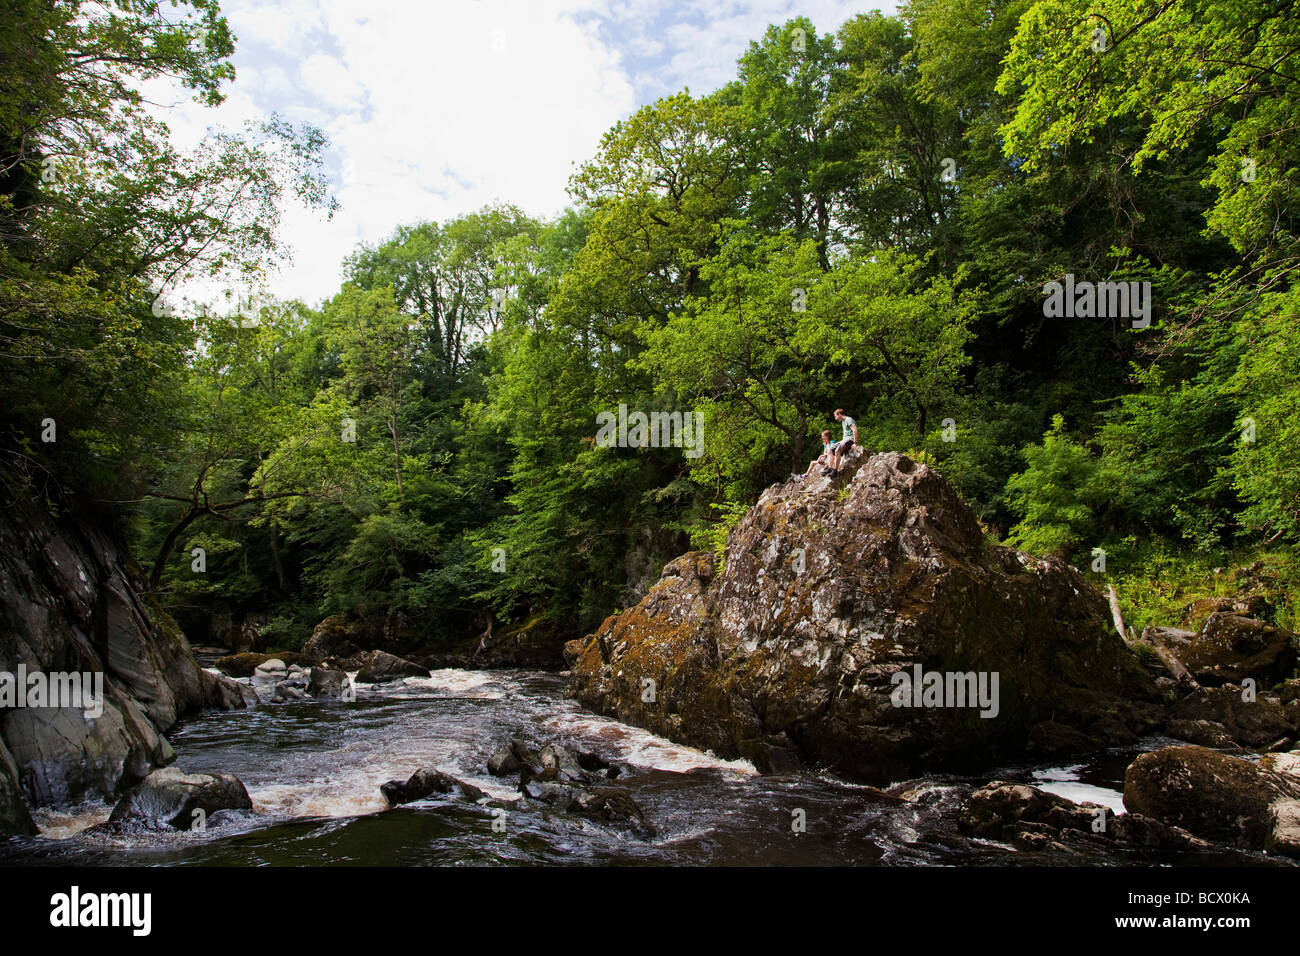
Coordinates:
[823,459]
[844,445]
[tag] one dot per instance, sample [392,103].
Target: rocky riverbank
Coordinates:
[71,604]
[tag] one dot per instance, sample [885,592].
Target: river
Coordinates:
[313,770]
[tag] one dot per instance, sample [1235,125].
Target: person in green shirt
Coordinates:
[844,445]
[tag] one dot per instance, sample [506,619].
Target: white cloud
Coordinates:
[331,82]
[434,109]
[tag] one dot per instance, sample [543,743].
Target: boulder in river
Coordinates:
[426,782]
[324,682]
[246,664]
[273,669]
[1034,819]
[837,592]
[607,804]
[507,759]
[990,810]
[380,667]
[555,760]
[170,797]
[289,690]
[223,693]
[1216,796]
[332,637]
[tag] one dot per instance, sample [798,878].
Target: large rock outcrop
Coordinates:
[834,586]
[70,602]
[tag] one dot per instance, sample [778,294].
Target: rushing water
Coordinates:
[313,770]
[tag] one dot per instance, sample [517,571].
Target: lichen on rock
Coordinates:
[789,658]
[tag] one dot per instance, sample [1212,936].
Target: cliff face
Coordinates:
[832,589]
[69,603]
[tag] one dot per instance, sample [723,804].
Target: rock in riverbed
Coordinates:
[568,778]
[832,588]
[425,782]
[327,683]
[380,667]
[226,694]
[1218,797]
[170,797]
[1034,819]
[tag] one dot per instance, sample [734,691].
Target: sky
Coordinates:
[434,109]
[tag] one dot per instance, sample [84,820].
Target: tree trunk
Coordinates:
[169,543]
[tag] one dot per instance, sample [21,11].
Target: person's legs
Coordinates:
[841,448]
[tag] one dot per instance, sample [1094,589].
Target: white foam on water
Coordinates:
[60,824]
[1064,782]
[1085,793]
[452,682]
[1070,772]
[320,798]
[642,748]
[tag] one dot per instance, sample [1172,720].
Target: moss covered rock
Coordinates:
[1215,796]
[832,587]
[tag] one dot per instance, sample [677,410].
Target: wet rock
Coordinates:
[1145,833]
[559,757]
[573,650]
[504,762]
[426,782]
[1213,795]
[380,667]
[222,693]
[14,818]
[272,669]
[72,601]
[1034,819]
[1232,647]
[327,683]
[64,757]
[607,804]
[246,664]
[793,652]
[332,637]
[170,797]
[997,805]
[1227,717]
[289,690]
